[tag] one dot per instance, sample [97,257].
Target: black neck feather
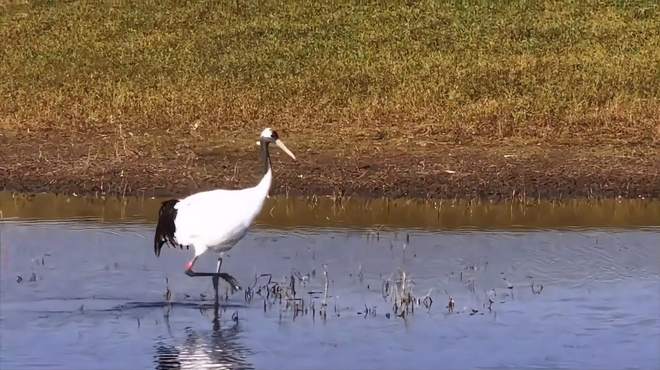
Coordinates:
[265,155]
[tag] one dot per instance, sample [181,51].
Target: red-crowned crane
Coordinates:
[217,219]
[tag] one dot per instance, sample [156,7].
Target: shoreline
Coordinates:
[408,100]
[34,164]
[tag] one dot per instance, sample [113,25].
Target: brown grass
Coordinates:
[337,74]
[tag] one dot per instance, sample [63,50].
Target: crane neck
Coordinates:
[265,156]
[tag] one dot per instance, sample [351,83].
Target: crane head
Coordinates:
[270,136]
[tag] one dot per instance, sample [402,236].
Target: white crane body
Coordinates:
[217,219]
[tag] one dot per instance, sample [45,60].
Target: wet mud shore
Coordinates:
[103,166]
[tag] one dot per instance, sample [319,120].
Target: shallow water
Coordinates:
[92,294]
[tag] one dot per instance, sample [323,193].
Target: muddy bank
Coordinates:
[50,163]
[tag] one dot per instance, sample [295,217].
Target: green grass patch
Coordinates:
[456,71]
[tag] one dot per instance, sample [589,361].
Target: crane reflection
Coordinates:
[218,348]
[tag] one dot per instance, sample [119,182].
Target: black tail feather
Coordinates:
[166,228]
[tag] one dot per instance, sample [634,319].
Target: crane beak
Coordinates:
[286,150]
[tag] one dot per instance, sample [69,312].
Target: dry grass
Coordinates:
[552,71]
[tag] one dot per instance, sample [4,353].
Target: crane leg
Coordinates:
[217,270]
[215,289]
[233,283]
[189,266]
